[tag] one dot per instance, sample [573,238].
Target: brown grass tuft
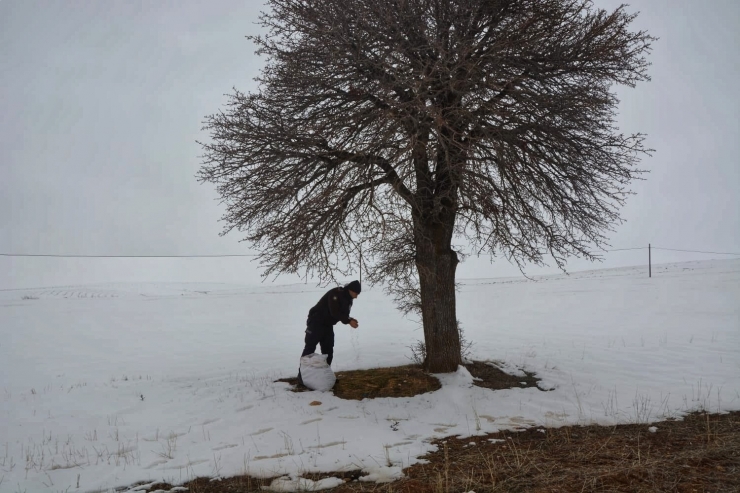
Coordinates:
[411,380]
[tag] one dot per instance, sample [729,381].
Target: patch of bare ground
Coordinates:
[488,375]
[411,380]
[698,454]
[398,381]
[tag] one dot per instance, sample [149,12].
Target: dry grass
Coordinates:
[399,381]
[490,376]
[700,453]
[411,380]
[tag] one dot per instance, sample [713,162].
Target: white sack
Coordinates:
[316,372]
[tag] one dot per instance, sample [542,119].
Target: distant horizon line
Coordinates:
[522,277]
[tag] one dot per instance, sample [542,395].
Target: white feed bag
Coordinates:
[316,372]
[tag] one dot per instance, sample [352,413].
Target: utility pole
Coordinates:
[650,261]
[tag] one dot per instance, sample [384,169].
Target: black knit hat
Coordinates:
[354,286]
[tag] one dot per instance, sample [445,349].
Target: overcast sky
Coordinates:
[101,103]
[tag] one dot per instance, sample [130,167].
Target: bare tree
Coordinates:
[385,130]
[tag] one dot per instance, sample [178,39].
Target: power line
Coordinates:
[120,256]
[256,255]
[693,251]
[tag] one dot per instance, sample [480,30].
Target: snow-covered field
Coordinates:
[105,385]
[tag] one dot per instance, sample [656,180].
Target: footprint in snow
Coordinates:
[325,445]
[188,464]
[222,447]
[399,444]
[260,432]
[156,463]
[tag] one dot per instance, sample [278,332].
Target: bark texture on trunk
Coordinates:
[436,263]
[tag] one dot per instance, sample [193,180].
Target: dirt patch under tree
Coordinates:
[411,380]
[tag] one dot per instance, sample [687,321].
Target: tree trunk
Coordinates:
[436,263]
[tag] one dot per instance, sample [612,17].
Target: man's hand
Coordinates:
[353,323]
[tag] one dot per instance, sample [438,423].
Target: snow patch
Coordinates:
[302,484]
[383,474]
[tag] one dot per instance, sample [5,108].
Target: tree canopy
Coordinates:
[389,130]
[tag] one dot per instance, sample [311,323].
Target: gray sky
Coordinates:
[101,103]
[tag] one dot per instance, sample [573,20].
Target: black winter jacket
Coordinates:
[333,307]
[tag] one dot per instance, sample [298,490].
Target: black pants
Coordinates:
[320,335]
